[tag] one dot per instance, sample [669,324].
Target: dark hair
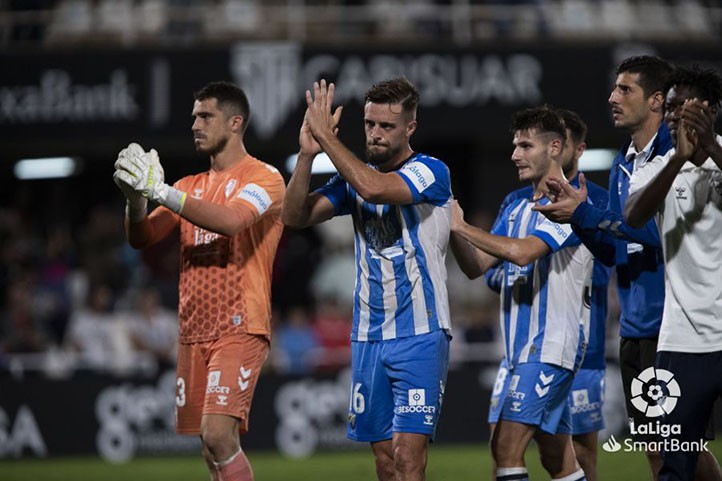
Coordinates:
[544,119]
[231,99]
[705,82]
[653,72]
[575,124]
[395,91]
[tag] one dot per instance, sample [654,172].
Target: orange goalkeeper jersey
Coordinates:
[225,282]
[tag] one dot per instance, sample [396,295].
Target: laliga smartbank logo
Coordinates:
[655,393]
[661,392]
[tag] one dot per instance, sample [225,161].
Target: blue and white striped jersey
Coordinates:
[400,253]
[544,305]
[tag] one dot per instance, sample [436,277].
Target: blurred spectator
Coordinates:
[20,330]
[153,329]
[115,20]
[53,300]
[332,324]
[102,244]
[335,275]
[97,335]
[32,29]
[295,343]
[72,20]
[152,16]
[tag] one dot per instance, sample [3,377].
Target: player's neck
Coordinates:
[642,135]
[228,157]
[571,172]
[540,186]
[394,163]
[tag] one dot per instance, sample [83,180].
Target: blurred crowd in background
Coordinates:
[79,297]
[182,22]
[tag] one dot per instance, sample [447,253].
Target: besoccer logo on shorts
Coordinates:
[655,392]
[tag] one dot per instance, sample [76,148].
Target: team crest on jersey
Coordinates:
[197,193]
[381,232]
[229,187]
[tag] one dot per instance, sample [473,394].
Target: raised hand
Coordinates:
[131,163]
[145,175]
[138,170]
[564,199]
[306,141]
[687,140]
[318,119]
[698,119]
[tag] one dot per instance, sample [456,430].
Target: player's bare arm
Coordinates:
[519,251]
[467,256]
[374,186]
[145,175]
[151,229]
[219,218]
[471,260]
[301,208]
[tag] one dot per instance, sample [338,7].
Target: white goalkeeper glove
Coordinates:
[146,176]
[136,205]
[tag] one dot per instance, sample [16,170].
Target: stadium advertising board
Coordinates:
[146,95]
[121,418]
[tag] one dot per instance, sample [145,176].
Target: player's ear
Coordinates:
[411,128]
[237,122]
[555,147]
[656,102]
[580,149]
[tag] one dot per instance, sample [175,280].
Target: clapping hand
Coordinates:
[564,199]
[140,173]
[319,120]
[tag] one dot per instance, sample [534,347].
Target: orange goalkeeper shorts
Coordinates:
[218,377]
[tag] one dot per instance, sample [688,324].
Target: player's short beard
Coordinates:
[380,158]
[214,149]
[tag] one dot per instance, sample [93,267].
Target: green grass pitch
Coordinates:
[446,463]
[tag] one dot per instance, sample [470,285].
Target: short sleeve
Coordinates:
[336,191]
[263,192]
[428,180]
[555,235]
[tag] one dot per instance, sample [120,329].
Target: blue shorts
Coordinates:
[397,386]
[501,386]
[586,401]
[537,395]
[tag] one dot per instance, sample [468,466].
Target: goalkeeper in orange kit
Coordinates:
[229,218]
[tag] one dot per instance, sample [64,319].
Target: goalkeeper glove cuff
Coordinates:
[169,197]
